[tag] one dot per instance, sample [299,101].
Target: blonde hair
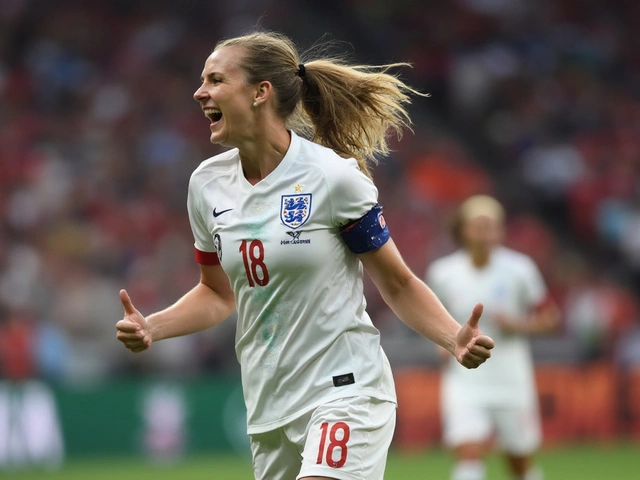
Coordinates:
[349,108]
[481,206]
[472,207]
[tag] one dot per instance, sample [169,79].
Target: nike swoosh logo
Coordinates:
[217,214]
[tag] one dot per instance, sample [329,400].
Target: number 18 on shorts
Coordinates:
[338,434]
[349,439]
[345,439]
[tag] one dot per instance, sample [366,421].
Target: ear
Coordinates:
[263,92]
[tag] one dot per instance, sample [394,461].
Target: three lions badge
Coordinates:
[295,209]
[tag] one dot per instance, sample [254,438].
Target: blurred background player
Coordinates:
[283,227]
[501,399]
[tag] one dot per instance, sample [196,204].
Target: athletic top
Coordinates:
[303,336]
[510,284]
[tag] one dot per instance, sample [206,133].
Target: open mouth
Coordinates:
[213,114]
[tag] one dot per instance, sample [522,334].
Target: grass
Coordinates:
[583,462]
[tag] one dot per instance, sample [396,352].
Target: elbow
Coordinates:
[393,287]
[220,299]
[555,324]
[551,320]
[230,305]
[227,301]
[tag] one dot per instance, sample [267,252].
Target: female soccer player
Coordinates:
[501,397]
[283,227]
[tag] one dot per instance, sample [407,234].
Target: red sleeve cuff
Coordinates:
[206,258]
[544,303]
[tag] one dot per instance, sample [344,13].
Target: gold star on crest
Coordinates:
[298,188]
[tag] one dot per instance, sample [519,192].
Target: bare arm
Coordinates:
[419,308]
[207,304]
[545,319]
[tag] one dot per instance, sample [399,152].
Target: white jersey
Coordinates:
[510,284]
[303,336]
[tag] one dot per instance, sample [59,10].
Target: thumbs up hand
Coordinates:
[473,348]
[133,329]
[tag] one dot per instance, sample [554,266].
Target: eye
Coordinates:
[215,81]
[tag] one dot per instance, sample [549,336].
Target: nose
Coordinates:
[199,94]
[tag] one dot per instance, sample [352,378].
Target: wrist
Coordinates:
[152,327]
[451,342]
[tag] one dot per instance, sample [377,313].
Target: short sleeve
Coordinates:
[203,240]
[352,194]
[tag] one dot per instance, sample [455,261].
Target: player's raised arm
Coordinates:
[209,303]
[543,319]
[418,307]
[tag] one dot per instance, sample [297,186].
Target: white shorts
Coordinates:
[346,439]
[516,428]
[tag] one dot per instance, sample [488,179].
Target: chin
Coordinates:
[218,140]
[223,141]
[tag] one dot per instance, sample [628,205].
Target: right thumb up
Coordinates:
[132,329]
[129,309]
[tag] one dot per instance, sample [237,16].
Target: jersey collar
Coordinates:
[276,174]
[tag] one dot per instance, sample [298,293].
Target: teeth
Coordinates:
[213,114]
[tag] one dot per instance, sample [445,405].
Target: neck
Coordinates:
[263,153]
[480,257]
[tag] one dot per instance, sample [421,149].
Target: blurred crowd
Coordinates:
[539,106]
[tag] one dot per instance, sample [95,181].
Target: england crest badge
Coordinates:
[295,209]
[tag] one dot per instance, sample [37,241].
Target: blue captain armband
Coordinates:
[366,234]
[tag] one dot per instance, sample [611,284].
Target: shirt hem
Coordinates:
[267,427]
[325,471]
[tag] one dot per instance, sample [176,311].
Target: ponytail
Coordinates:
[353,109]
[350,109]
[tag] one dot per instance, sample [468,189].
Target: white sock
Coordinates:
[534,473]
[469,470]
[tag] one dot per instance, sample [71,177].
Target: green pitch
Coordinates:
[619,462]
